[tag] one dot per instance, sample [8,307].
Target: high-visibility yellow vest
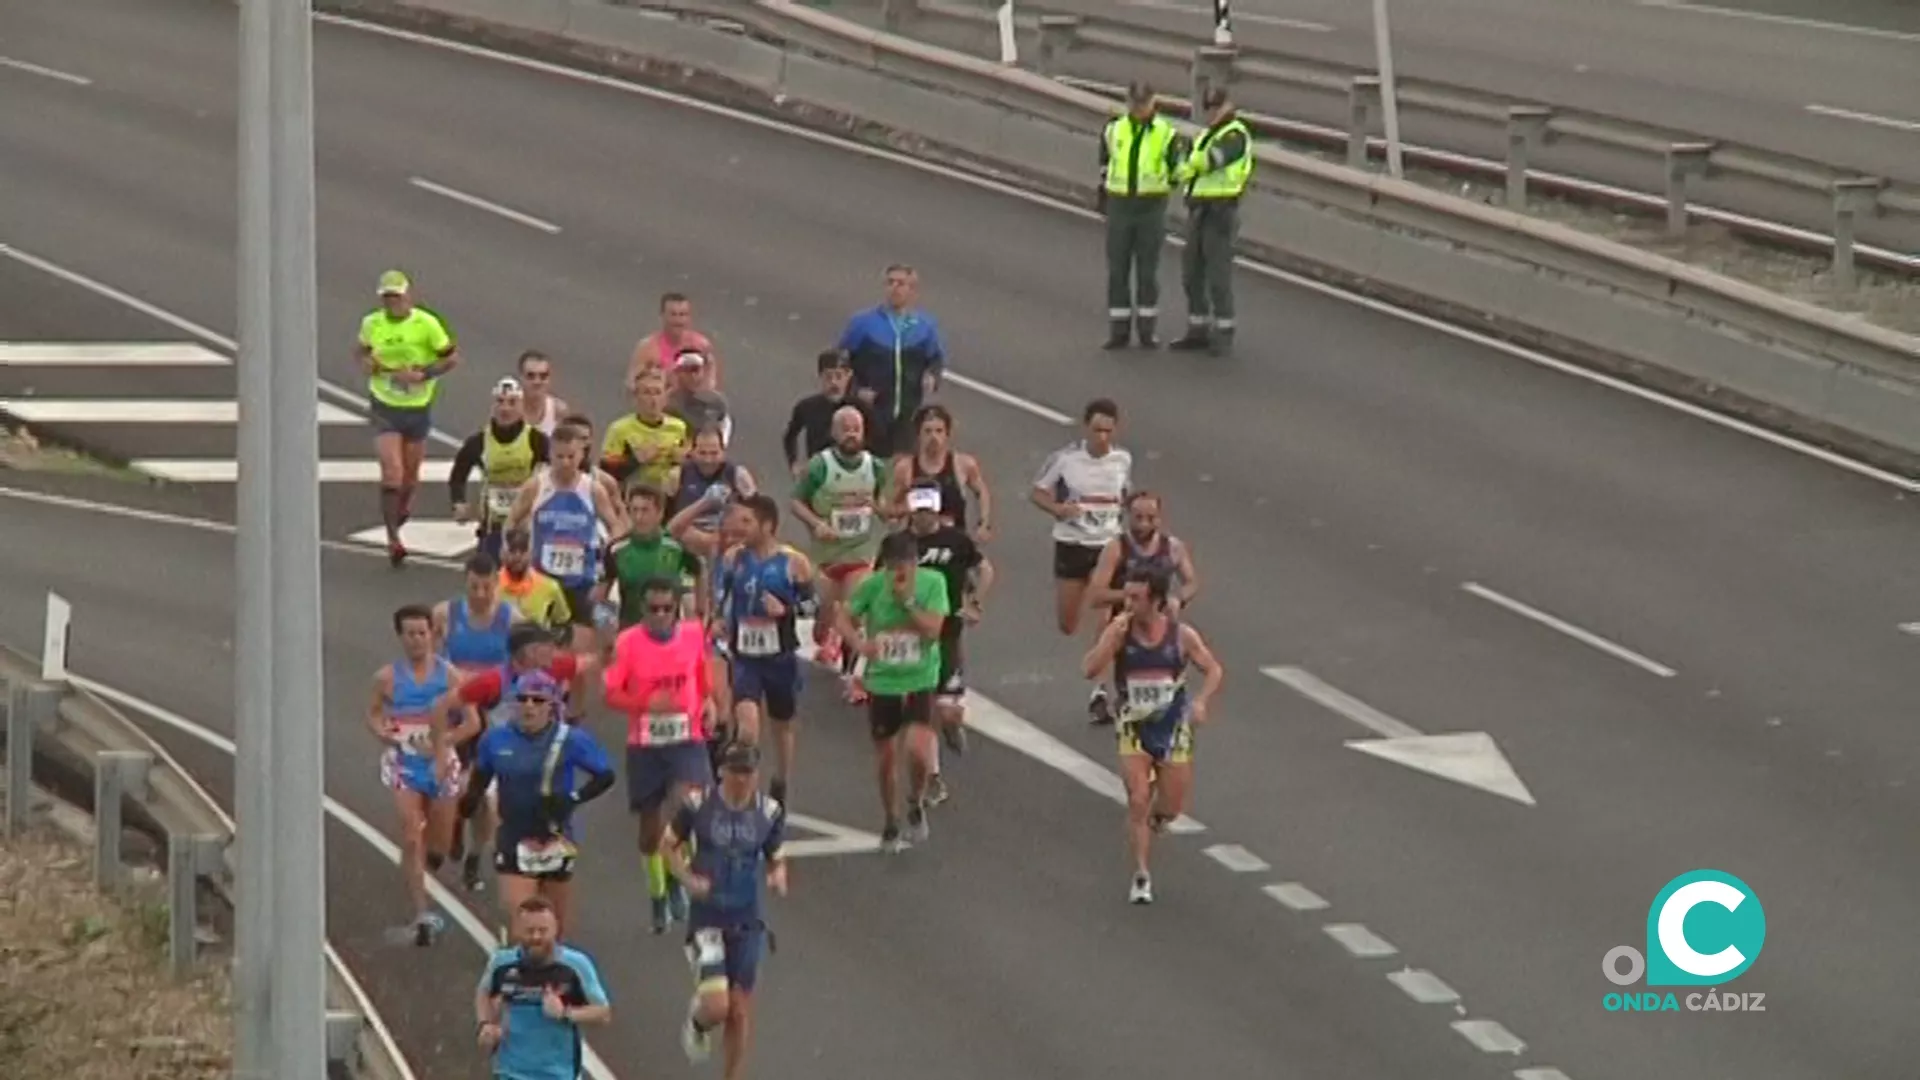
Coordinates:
[1222,183]
[507,465]
[1149,171]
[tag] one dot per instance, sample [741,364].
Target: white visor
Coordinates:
[924,499]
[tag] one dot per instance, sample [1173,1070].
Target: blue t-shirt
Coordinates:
[534,1047]
[731,849]
[890,353]
[519,761]
[750,579]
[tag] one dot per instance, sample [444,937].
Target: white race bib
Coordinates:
[1102,518]
[851,521]
[416,739]
[759,637]
[563,558]
[709,947]
[500,500]
[668,728]
[1150,695]
[548,857]
[899,647]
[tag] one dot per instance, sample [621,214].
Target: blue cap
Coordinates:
[537,684]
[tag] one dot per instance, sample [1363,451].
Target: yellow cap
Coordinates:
[394,283]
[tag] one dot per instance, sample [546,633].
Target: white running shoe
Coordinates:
[698,1044]
[1142,891]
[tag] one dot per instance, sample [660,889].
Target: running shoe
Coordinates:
[396,554]
[1159,821]
[470,874]
[1142,890]
[955,736]
[890,841]
[917,827]
[427,927]
[694,1039]
[936,790]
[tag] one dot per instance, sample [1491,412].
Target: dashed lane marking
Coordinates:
[1489,1035]
[1236,858]
[1359,940]
[1296,897]
[1423,986]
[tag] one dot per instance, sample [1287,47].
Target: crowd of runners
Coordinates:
[645,571]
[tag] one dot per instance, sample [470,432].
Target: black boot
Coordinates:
[1195,339]
[1117,334]
[1144,328]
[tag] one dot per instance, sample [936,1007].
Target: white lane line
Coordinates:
[1865,117]
[488,205]
[458,911]
[1584,637]
[1359,940]
[1423,986]
[216,471]
[1540,1074]
[1309,686]
[1296,897]
[1780,20]
[146,411]
[1236,858]
[96,354]
[181,521]
[1008,397]
[45,72]
[352,399]
[1379,307]
[1238,16]
[1489,1035]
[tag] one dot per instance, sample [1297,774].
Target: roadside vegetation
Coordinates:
[84,990]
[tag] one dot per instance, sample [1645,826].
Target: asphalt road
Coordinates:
[1341,480]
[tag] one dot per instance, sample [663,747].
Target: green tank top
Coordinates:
[846,501]
[636,561]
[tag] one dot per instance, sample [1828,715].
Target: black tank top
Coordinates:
[953,498]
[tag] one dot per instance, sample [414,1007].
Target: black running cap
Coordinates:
[740,757]
[525,634]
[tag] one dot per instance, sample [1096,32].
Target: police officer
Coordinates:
[1215,175]
[1138,154]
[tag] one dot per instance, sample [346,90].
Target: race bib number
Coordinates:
[416,739]
[1102,518]
[899,648]
[759,637]
[851,521]
[709,947]
[668,728]
[548,857]
[563,559]
[500,501]
[1145,697]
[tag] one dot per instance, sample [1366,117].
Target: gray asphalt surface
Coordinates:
[1711,76]
[1340,480]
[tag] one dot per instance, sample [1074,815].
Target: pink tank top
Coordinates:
[644,667]
[666,350]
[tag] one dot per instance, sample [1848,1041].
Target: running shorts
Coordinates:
[726,956]
[889,714]
[411,772]
[773,680]
[549,859]
[1074,562]
[412,425]
[1167,738]
[654,771]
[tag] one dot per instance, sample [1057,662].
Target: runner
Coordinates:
[898,360]
[472,633]
[404,349]
[544,410]
[584,424]
[736,835]
[1148,650]
[947,550]
[419,764]
[1143,546]
[645,553]
[656,351]
[533,998]
[508,450]
[644,446]
[693,400]
[1081,486]
[955,473]
[766,585]
[895,619]
[839,499]
[810,427]
[702,486]
[537,759]
[663,680]
[535,597]
[490,693]
[567,509]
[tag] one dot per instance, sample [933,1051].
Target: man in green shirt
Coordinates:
[404,348]
[893,619]
[645,553]
[842,499]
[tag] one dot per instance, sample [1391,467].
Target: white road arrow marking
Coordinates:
[1468,757]
[834,839]
[439,539]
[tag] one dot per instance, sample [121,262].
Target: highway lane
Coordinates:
[1370,467]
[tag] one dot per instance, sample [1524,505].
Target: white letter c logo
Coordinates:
[1673,934]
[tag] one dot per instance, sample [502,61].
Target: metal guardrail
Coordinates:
[1848,195]
[75,737]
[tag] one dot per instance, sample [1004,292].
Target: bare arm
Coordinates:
[1196,649]
[975,481]
[1101,592]
[612,514]
[744,483]
[1189,575]
[377,705]
[1061,511]
[440,617]
[1100,657]
[984,576]
[523,504]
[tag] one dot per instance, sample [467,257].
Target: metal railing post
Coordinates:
[189,858]
[117,774]
[1363,101]
[32,707]
[1685,162]
[1212,67]
[1526,129]
[1058,34]
[1852,198]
